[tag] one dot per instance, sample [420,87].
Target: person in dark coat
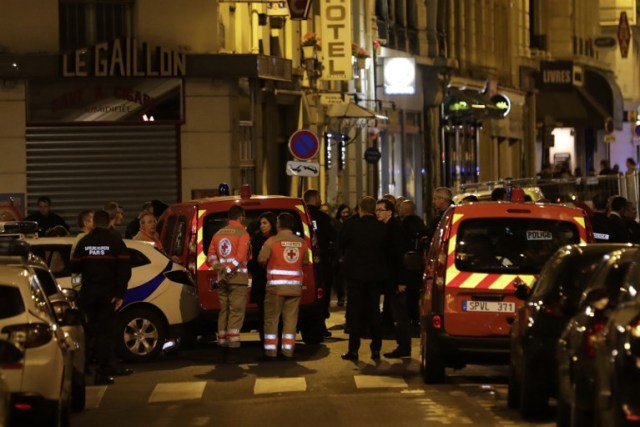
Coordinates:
[325,238]
[102,261]
[629,214]
[396,288]
[620,232]
[600,222]
[442,199]
[364,243]
[266,229]
[45,218]
[414,232]
[342,214]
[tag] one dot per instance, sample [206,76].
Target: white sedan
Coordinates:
[160,302]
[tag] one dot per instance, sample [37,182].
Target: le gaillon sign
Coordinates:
[122,58]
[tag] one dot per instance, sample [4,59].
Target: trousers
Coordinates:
[233,302]
[274,307]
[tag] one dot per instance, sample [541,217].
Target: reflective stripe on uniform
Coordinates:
[285,272]
[270,342]
[284,282]
[288,341]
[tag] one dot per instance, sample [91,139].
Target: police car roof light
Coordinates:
[21,227]
[13,247]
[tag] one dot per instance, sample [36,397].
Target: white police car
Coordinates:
[40,381]
[160,301]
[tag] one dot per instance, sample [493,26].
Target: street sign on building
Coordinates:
[372,155]
[304,144]
[303,168]
[624,34]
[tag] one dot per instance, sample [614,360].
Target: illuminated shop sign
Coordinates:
[336,39]
[121,58]
[399,75]
[502,103]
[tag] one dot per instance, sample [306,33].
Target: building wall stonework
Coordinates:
[13,163]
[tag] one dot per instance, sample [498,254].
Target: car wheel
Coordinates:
[78,391]
[312,332]
[431,363]
[61,416]
[140,334]
[513,392]
[534,402]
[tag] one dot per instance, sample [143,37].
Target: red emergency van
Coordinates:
[188,227]
[478,254]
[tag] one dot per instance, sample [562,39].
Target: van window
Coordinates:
[215,221]
[10,302]
[175,236]
[137,258]
[511,245]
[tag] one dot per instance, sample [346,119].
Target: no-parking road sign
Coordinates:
[304,144]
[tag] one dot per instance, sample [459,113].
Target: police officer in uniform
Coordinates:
[228,255]
[284,255]
[102,260]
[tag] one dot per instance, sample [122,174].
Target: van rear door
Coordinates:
[486,257]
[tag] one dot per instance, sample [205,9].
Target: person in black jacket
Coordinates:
[102,260]
[364,243]
[396,289]
[266,229]
[414,232]
[325,237]
[45,218]
[600,223]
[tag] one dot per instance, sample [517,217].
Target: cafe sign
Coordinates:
[122,58]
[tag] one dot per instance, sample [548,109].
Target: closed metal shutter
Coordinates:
[87,167]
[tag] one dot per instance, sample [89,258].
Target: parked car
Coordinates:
[40,382]
[9,355]
[160,302]
[478,254]
[61,301]
[617,350]
[187,230]
[553,300]
[576,350]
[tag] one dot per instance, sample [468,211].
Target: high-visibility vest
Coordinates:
[230,249]
[286,253]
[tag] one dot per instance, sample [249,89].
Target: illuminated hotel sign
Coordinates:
[399,75]
[336,39]
[121,58]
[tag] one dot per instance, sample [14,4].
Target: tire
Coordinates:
[78,391]
[431,363]
[312,331]
[513,392]
[140,334]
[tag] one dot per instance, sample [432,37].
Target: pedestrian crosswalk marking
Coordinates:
[379,381]
[166,392]
[279,385]
[94,395]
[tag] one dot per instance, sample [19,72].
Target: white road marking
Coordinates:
[379,381]
[165,392]
[279,385]
[94,395]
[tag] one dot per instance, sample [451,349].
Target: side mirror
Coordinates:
[71,294]
[522,291]
[413,261]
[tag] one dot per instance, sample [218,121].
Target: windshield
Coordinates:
[510,245]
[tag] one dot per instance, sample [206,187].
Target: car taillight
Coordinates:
[28,335]
[319,293]
[436,321]
[180,276]
[590,338]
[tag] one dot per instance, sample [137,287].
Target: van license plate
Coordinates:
[489,306]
